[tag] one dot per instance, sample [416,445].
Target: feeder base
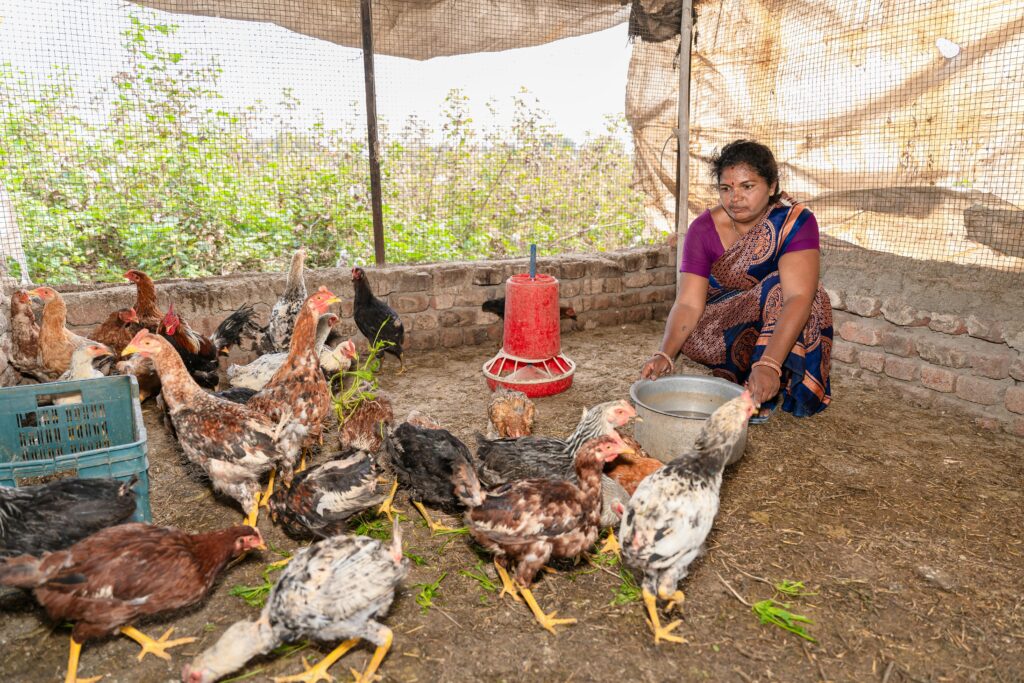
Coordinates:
[535,378]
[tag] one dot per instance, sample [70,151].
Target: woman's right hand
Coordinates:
[655,367]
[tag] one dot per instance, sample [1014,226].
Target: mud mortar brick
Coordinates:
[987,392]
[938,378]
[907,369]
[1015,399]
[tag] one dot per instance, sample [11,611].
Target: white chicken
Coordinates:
[670,514]
[329,591]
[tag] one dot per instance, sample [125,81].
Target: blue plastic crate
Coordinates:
[100,435]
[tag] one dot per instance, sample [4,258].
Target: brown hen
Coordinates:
[56,341]
[234,444]
[117,330]
[25,337]
[125,572]
[527,522]
[145,306]
[299,387]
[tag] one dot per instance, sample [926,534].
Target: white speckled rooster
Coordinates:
[670,515]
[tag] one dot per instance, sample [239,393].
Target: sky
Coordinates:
[579,81]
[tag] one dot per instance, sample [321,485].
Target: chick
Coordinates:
[511,414]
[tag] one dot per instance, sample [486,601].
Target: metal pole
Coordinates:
[683,130]
[366,12]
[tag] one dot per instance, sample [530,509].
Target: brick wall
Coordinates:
[439,303]
[942,338]
[965,364]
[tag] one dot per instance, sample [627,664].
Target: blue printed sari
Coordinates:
[743,306]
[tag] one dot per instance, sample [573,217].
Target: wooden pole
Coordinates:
[376,201]
[683,136]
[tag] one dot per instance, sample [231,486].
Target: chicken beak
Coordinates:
[622,451]
[129,350]
[332,300]
[34,293]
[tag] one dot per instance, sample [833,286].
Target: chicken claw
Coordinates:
[611,545]
[378,656]
[387,507]
[72,675]
[507,585]
[547,621]
[434,526]
[157,647]
[312,674]
[660,632]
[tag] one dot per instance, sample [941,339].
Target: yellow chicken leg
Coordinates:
[312,674]
[673,599]
[387,507]
[254,514]
[157,647]
[507,585]
[270,490]
[611,545]
[72,675]
[434,526]
[660,632]
[547,621]
[378,657]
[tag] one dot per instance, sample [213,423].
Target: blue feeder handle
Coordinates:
[533,261]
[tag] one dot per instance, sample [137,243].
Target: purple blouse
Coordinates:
[702,246]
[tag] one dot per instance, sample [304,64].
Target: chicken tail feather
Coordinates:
[23,571]
[229,332]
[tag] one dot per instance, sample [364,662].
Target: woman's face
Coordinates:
[744,193]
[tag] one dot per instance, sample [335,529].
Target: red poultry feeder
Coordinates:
[531,358]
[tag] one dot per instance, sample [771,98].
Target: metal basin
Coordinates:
[673,410]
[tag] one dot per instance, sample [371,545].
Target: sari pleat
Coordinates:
[743,306]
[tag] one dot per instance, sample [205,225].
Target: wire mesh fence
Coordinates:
[190,146]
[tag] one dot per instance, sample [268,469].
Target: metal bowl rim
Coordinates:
[699,379]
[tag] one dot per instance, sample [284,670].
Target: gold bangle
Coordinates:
[769,363]
[671,365]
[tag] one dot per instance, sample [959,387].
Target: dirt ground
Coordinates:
[904,525]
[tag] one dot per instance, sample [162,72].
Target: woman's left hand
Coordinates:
[763,384]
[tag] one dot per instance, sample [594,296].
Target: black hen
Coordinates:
[435,466]
[321,499]
[497,307]
[375,319]
[58,514]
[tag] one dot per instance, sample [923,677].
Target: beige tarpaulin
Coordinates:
[421,29]
[902,122]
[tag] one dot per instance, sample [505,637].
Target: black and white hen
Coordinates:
[330,591]
[321,499]
[375,319]
[277,335]
[670,514]
[58,514]
[435,466]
